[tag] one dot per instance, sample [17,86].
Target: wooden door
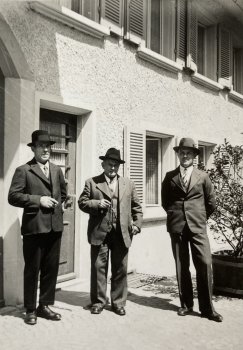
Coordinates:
[63,129]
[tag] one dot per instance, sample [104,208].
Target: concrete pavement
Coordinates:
[151,323]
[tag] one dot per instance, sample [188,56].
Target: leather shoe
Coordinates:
[45,312]
[183,311]
[119,310]
[96,309]
[30,317]
[213,316]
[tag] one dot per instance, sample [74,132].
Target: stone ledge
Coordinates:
[158,60]
[70,18]
[209,83]
[236,96]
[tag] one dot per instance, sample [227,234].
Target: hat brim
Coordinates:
[49,142]
[196,150]
[120,161]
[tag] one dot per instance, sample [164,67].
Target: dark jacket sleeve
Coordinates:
[136,208]
[209,196]
[17,195]
[86,203]
[165,192]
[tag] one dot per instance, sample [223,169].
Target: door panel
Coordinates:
[63,129]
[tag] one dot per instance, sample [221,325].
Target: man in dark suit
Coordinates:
[39,187]
[115,215]
[188,199]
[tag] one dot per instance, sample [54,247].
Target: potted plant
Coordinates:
[226,222]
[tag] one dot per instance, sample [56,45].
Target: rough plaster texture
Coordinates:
[123,90]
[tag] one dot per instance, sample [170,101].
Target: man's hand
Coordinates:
[104,204]
[135,230]
[48,202]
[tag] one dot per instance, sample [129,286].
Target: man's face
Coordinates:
[186,156]
[42,152]
[110,167]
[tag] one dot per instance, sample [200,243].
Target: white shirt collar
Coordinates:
[189,170]
[108,180]
[41,165]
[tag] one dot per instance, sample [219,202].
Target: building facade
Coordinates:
[132,74]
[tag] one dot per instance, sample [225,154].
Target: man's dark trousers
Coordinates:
[201,256]
[113,244]
[41,253]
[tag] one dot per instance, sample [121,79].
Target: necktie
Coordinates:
[46,172]
[184,177]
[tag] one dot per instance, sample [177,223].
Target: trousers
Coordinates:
[41,256]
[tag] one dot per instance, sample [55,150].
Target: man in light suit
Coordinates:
[188,199]
[115,215]
[39,187]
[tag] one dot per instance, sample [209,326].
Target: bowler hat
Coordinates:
[40,136]
[113,154]
[187,142]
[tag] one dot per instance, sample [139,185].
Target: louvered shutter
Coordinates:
[238,70]
[135,23]
[134,155]
[224,57]
[112,15]
[211,53]
[191,60]
[181,31]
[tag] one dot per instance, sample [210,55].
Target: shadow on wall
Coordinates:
[13,265]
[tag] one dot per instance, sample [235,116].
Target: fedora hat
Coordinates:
[113,154]
[40,136]
[187,142]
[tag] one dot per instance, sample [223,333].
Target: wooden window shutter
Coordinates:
[135,20]
[134,154]
[181,31]
[112,15]
[211,53]
[191,60]
[224,57]
[238,70]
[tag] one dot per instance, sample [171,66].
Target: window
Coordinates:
[153,170]
[162,27]
[147,155]
[238,70]
[205,158]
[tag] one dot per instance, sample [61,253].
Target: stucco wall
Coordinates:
[123,90]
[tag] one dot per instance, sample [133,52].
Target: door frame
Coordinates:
[85,166]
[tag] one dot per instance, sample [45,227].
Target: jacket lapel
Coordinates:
[37,170]
[194,179]
[103,186]
[176,179]
[122,187]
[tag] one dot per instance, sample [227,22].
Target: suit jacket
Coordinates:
[28,185]
[130,211]
[193,206]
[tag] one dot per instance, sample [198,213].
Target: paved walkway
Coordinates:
[151,323]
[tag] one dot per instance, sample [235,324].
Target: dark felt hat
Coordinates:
[187,142]
[41,136]
[113,154]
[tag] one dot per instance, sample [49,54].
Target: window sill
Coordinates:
[158,60]
[152,214]
[236,96]
[210,84]
[71,19]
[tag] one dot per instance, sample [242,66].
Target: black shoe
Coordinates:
[213,316]
[96,309]
[30,317]
[45,312]
[183,311]
[119,310]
